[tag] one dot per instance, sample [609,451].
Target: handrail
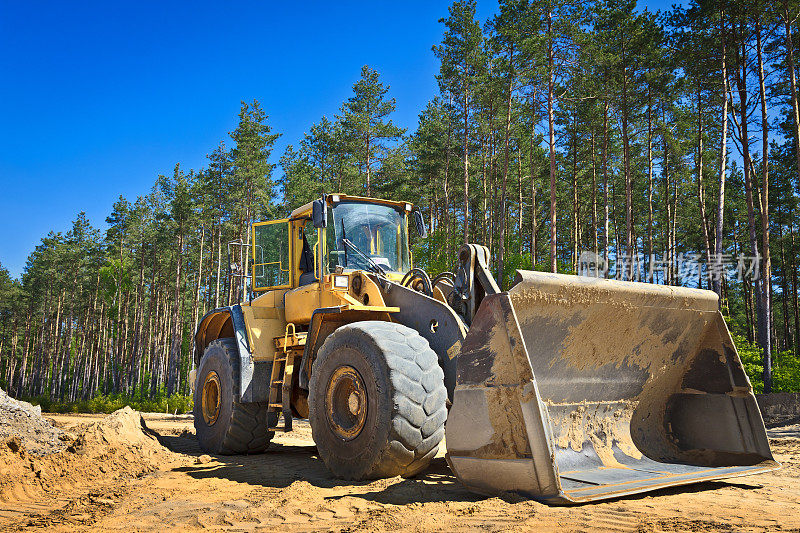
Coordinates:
[286,335]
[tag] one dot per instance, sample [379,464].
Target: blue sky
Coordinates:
[98,98]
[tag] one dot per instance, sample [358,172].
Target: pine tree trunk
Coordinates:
[761,317]
[617,237]
[139,314]
[787,332]
[723,159]
[533,198]
[766,284]
[533,194]
[152,309]
[195,305]
[795,307]
[219,263]
[22,379]
[674,231]
[787,25]
[667,206]
[551,143]
[502,214]
[445,185]
[54,350]
[575,236]
[369,166]
[175,345]
[594,197]
[156,334]
[466,160]
[701,193]
[606,222]
[485,185]
[521,207]
[627,168]
[649,176]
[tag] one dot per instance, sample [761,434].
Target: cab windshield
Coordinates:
[376,231]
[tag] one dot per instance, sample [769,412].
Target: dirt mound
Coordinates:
[24,422]
[123,428]
[116,447]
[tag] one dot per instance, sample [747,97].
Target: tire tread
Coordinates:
[247,432]
[419,397]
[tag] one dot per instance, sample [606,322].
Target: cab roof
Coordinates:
[304,210]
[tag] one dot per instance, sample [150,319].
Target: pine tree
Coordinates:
[461,62]
[365,121]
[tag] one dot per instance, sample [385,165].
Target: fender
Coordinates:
[253,385]
[432,319]
[325,321]
[435,321]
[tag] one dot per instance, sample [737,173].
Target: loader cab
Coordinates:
[300,263]
[359,234]
[367,235]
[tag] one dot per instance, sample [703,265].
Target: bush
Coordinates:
[176,404]
[785,367]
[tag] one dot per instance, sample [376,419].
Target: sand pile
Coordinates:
[116,447]
[123,428]
[23,421]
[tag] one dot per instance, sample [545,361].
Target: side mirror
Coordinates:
[422,229]
[319,213]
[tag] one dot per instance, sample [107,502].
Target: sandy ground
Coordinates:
[288,488]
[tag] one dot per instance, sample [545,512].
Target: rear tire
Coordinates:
[223,425]
[391,372]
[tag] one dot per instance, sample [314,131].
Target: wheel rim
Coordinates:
[212,399]
[346,403]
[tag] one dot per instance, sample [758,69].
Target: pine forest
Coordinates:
[660,147]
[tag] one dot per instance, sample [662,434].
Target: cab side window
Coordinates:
[271,255]
[308,263]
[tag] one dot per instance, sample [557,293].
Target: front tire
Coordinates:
[377,401]
[223,425]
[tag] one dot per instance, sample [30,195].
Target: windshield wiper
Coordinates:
[375,267]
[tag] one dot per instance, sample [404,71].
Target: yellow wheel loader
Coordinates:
[565,389]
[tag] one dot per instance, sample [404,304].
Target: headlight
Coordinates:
[340,282]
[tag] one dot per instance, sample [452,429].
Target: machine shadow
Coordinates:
[693,488]
[281,465]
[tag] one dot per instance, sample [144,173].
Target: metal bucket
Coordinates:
[574,389]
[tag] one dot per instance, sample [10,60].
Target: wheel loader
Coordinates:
[563,388]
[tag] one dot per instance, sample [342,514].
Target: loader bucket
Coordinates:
[574,389]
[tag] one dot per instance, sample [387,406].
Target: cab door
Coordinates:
[272,255]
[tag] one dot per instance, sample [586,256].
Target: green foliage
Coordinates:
[751,359]
[785,367]
[460,53]
[252,182]
[365,121]
[160,403]
[115,278]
